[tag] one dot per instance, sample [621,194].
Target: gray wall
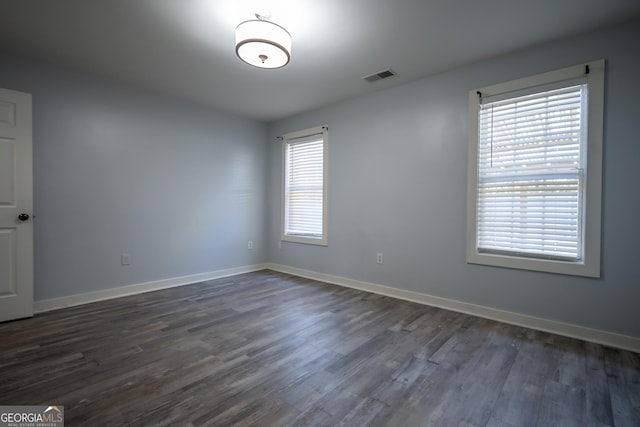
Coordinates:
[116,169]
[397,184]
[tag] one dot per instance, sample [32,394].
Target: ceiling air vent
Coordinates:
[385,74]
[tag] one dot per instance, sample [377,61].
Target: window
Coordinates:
[535,172]
[304,212]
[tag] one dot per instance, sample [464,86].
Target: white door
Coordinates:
[16,203]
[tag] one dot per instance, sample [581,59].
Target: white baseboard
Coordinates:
[88,297]
[574,331]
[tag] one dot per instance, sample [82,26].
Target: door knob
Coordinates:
[23,217]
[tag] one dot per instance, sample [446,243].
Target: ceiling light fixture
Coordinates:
[262,43]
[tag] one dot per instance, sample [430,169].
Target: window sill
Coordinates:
[534,264]
[304,240]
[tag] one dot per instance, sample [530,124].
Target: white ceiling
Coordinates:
[186,47]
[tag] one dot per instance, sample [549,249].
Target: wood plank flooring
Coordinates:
[270,349]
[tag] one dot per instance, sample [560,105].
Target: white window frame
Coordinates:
[589,265]
[286,139]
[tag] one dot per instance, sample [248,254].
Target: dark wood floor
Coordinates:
[269,349]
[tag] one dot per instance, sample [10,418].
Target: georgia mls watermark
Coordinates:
[31,416]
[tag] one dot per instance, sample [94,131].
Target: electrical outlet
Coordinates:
[125,259]
[250,244]
[379,258]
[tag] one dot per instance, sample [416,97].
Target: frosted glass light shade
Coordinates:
[263,44]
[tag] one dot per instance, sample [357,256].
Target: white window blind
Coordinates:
[531,161]
[303,187]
